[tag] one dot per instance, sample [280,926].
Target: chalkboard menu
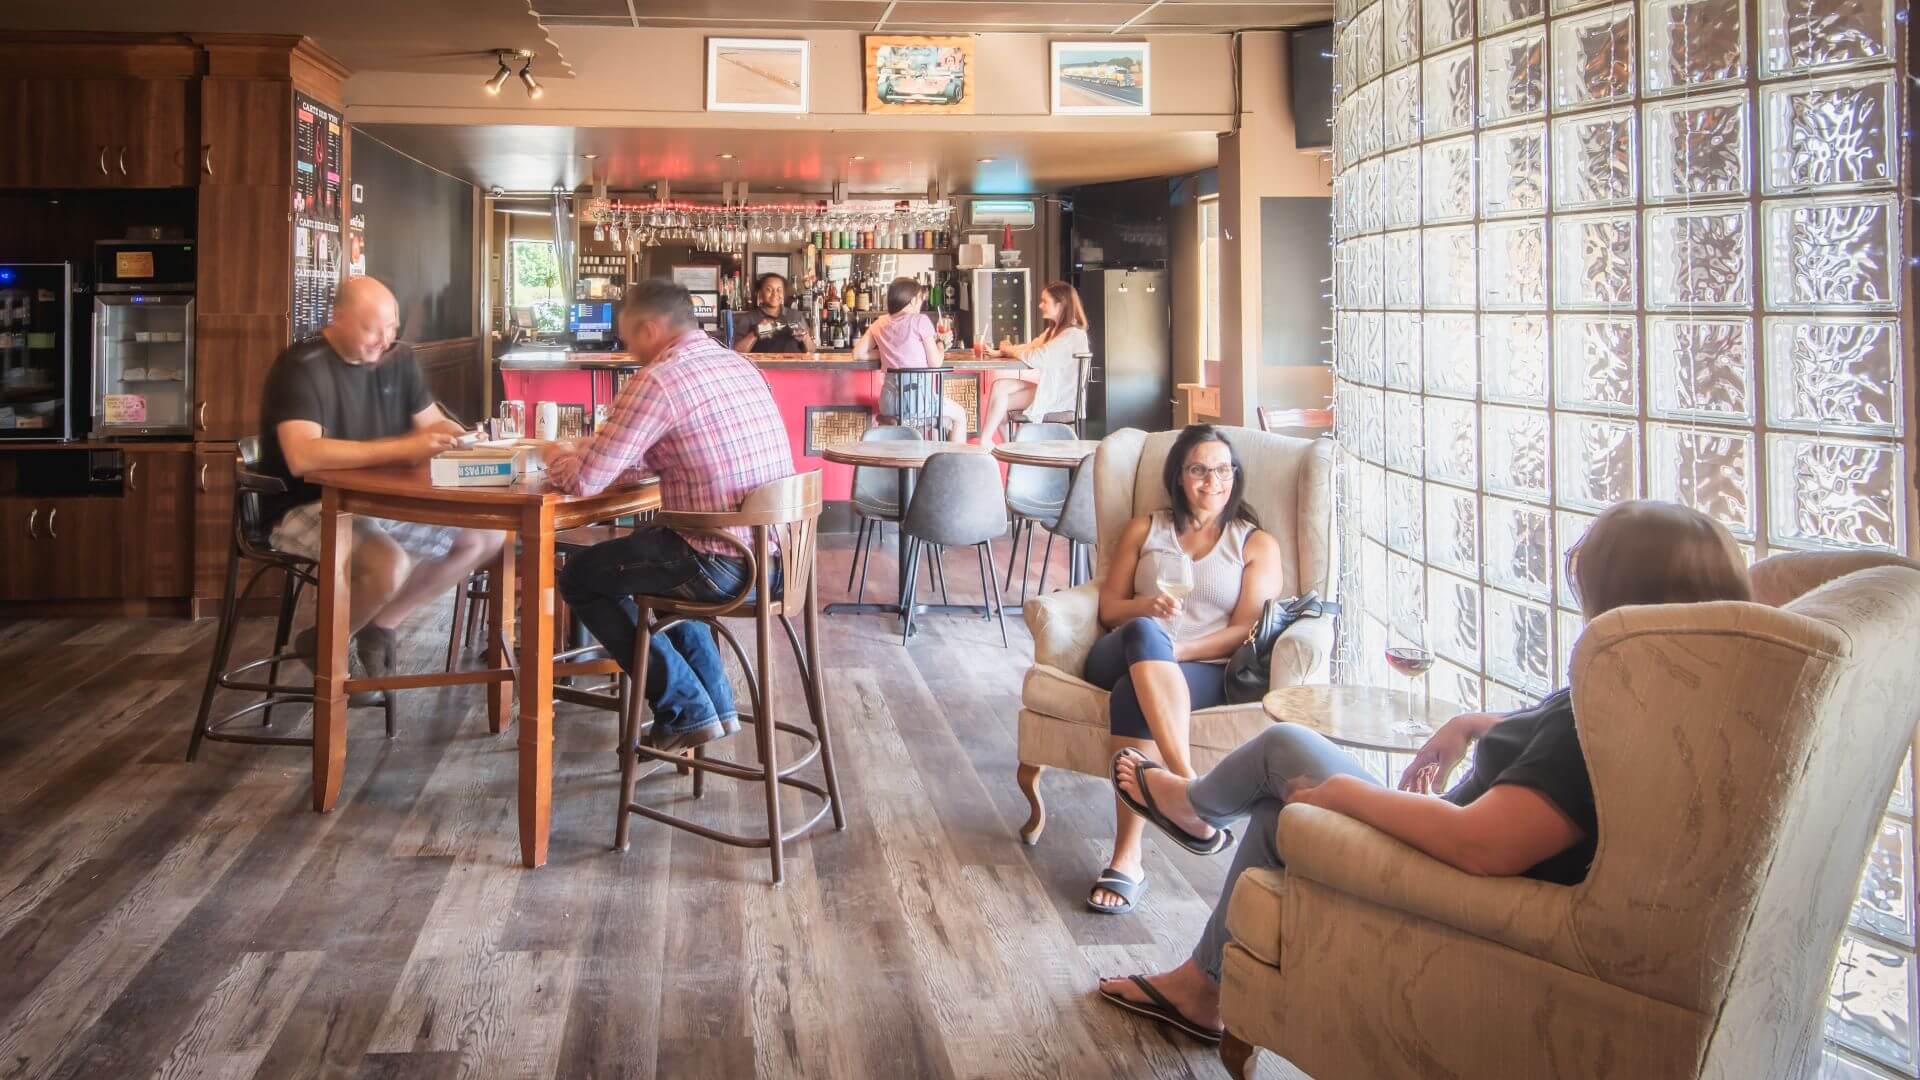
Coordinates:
[318,209]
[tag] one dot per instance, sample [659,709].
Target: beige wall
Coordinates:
[1257,161]
[657,78]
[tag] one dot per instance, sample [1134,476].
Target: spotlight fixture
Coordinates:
[858,157]
[526,77]
[724,157]
[985,160]
[500,76]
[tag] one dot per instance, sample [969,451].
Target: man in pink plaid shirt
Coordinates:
[700,417]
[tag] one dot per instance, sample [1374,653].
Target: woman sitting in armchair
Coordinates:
[1184,590]
[1524,808]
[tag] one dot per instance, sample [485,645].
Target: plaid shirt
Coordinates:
[702,419]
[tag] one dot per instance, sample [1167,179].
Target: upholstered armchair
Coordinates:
[1741,756]
[1063,719]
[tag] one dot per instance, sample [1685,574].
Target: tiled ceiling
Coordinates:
[942,16]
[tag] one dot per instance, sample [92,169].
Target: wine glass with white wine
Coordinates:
[1173,575]
[1411,657]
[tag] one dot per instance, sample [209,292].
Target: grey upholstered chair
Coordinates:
[876,499]
[1077,527]
[957,503]
[1035,496]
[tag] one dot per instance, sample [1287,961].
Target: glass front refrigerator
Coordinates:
[143,339]
[36,351]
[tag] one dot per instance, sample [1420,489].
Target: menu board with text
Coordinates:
[318,210]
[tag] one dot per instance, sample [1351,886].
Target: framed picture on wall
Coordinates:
[756,75]
[1101,78]
[919,73]
[771,264]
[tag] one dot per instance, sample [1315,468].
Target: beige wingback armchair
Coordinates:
[1063,719]
[1741,756]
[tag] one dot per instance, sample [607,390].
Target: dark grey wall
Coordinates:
[419,239]
[1295,260]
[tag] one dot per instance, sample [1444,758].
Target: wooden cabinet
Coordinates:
[71,132]
[212,519]
[157,513]
[246,132]
[245,249]
[232,354]
[61,548]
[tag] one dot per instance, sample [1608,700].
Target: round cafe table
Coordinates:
[1047,453]
[1358,716]
[909,458]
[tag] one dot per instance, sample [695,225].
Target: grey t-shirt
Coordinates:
[311,381]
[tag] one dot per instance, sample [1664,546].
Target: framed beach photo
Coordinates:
[1101,78]
[919,73]
[756,75]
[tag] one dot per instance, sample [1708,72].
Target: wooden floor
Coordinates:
[173,920]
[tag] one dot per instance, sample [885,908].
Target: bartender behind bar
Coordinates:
[769,326]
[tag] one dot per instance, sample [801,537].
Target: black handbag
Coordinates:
[1250,668]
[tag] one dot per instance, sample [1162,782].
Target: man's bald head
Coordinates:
[366,319]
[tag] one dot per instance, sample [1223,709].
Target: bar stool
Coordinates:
[249,543]
[1077,418]
[958,502]
[876,499]
[783,514]
[910,397]
[1035,496]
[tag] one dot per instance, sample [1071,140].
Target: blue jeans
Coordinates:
[1109,667]
[687,685]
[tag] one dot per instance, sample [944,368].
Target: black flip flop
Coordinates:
[1221,839]
[1159,1008]
[1125,886]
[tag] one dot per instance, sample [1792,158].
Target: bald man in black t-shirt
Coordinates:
[353,398]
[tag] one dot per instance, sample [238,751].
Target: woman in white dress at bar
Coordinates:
[1051,382]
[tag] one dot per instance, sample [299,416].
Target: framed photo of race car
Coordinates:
[1101,78]
[919,73]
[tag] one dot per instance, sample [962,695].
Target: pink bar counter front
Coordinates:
[824,390]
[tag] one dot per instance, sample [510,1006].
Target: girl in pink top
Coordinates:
[904,339]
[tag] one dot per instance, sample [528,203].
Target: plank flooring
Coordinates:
[160,919]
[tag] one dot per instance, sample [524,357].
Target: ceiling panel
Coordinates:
[604,8]
[1234,16]
[428,36]
[997,15]
[533,158]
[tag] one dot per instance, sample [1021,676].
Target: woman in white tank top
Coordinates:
[1164,657]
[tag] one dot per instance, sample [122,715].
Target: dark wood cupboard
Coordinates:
[157,517]
[212,521]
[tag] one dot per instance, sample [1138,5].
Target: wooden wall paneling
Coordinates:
[456,374]
[232,354]
[246,130]
[246,249]
[158,514]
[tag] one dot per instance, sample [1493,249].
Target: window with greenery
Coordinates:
[533,282]
[1209,282]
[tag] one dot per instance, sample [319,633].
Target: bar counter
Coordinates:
[824,397]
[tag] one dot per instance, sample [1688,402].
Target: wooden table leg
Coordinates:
[501,583]
[330,676]
[536,683]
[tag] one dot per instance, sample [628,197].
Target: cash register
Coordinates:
[591,325]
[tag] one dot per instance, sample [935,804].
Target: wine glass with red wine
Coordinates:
[1411,658]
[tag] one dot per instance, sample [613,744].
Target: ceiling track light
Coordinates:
[526,77]
[501,75]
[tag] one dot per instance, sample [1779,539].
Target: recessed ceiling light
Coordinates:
[859,157]
[590,157]
[724,157]
[986,160]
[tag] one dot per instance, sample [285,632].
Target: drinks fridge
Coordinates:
[143,338]
[1002,305]
[36,351]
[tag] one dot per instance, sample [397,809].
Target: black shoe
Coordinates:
[305,648]
[661,738]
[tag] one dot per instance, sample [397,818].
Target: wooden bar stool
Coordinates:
[783,514]
[250,543]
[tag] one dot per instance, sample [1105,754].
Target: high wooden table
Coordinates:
[1358,716]
[531,510]
[909,457]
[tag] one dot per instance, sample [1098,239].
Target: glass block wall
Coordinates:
[1595,251]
